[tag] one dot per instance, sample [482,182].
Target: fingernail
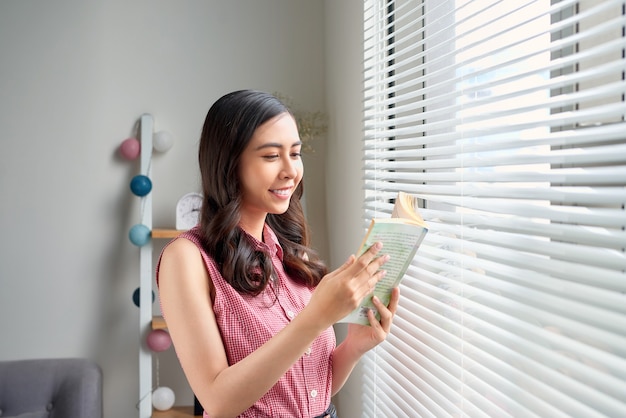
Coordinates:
[378,245]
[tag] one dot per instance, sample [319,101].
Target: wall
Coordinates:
[344,83]
[74,79]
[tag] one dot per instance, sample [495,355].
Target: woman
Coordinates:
[249,306]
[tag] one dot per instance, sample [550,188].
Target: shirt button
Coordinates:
[313,393]
[308,351]
[290,314]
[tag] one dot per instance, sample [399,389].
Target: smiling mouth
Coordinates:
[281,192]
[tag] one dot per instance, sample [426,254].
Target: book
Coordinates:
[401,235]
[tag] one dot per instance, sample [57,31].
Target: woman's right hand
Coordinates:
[342,290]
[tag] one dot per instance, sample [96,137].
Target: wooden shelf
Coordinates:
[175,412]
[158,322]
[165,233]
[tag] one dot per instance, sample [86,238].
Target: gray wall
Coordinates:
[75,77]
[344,195]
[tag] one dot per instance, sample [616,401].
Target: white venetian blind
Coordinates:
[506,119]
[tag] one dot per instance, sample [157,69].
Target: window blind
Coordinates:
[506,120]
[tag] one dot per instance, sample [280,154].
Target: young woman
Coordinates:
[249,306]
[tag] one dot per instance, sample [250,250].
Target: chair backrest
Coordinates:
[50,388]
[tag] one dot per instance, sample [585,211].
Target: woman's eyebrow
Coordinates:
[276,145]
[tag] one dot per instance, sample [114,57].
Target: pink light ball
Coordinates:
[158,340]
[163,398]
[162,141]
[130,148]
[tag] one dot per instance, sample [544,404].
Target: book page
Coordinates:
[406,207]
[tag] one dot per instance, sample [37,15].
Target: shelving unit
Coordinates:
[158,322]
[145,275]
[175,412]
[146,321]
[165,233]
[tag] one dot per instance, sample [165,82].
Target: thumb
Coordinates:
[348,263]
[343,267]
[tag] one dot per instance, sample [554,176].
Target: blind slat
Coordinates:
[574,195]
[583,176]
[596,217]
[504,138]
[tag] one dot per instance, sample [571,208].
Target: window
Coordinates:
[507,120]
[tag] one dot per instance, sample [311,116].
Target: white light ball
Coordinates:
[163,398]
[162,141]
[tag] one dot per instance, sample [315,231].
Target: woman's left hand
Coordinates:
[362,337]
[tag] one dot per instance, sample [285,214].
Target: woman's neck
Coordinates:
[253,227]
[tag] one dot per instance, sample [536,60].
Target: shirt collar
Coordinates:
[270,244]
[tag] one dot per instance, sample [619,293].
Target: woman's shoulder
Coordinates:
[183,249]
[185,242]
[181,259]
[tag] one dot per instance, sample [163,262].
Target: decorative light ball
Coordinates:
[130,148]
[158,340]
[141,185]
[163,398]
[139,235]
[162,141]
[136,297]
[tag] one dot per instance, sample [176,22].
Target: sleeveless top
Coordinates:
[247,322]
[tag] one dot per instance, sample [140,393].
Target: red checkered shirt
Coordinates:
[247,322]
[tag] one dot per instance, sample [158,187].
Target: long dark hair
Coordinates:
[228,128]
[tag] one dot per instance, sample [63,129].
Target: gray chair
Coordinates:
[50,388]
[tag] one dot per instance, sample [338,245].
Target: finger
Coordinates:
[386,316]
[377,263]
[367,257]
[375,248]
[380,330]
[349,262]
[385,313]
[374,323]
[372,273]
[395,299]
[373,280]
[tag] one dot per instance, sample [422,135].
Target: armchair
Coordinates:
[50,388]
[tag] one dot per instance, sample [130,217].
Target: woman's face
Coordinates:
[271,169]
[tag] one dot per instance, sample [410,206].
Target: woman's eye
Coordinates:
[272,157]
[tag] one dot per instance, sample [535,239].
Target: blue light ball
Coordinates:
[141,185]
[136,297]
[139,235]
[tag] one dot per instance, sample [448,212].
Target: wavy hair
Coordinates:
[228,128]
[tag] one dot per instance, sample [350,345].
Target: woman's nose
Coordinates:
[290,169]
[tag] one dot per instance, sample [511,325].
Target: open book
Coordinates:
[401,236]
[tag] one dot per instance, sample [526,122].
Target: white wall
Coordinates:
[75,77]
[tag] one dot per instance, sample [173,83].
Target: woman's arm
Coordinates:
[361,339]
[225,391]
